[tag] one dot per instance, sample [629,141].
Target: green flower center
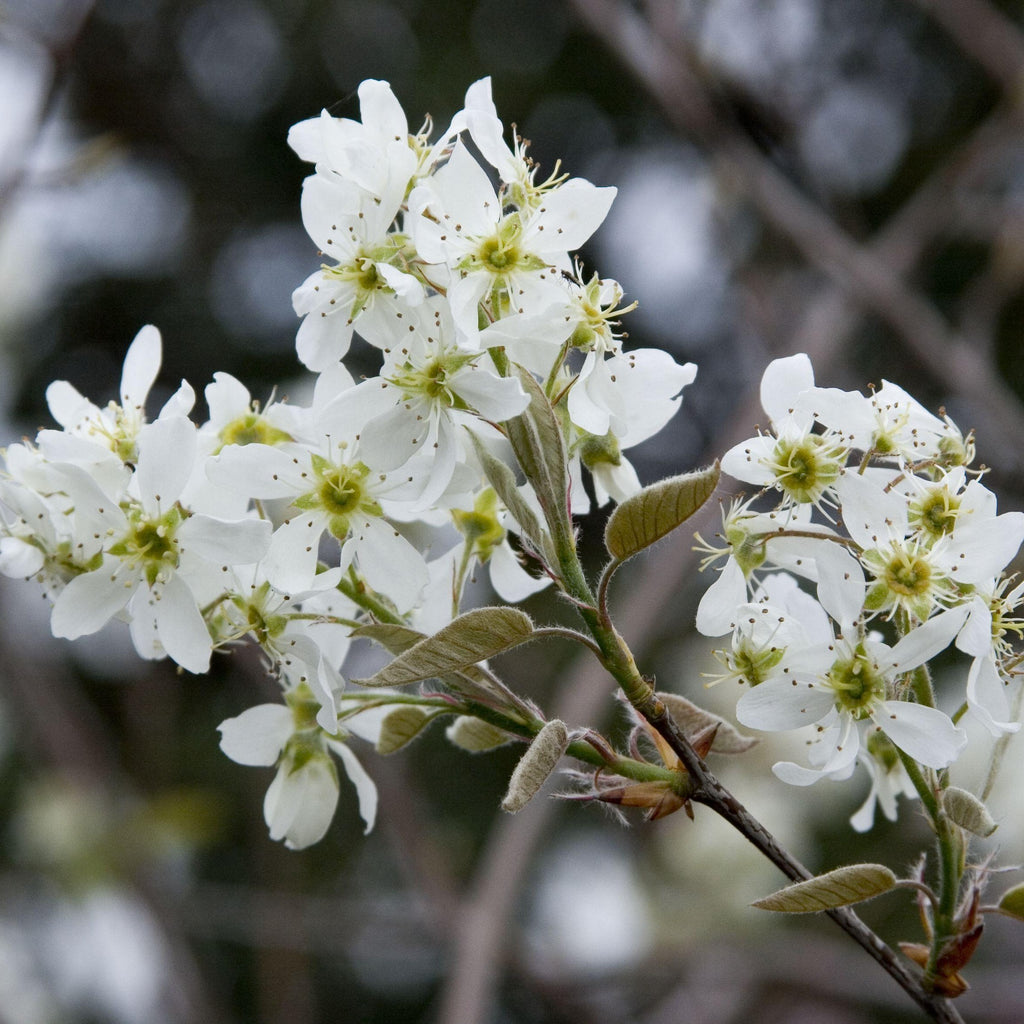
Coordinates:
[342,493]
[150,543]
[804,468]
[753,665]
[252,428]
[934,514]
[857,684]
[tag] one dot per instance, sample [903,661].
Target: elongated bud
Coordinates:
[967,811]
[536,765]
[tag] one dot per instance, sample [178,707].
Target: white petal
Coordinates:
[783,380]
[89,602]
[570,215]
[986,697]
[924,642]
[299,805]
[238,542]
[780,704]
[167,455]
[716,613]
[181,626]
[141,365]
[258,735]
[366,790]
[926,734]
[290,562]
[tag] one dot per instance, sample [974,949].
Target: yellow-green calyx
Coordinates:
[882,749]
[341,492]
[481,527]
[432,380]
[595,328]
[304,707]
[263,624]
[934,513]
[752,664]
[600,451]
[748,549]
[905,578]
[150,543]
[502,253]
[857,684]
[252,428]
[805,467]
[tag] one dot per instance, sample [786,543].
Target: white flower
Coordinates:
[427,390]
[161,561]
[116,427]
[365,286]
[303,795]
[794,459]
[331,491]
[511,261]
[841,684]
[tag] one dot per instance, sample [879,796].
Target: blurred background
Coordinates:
[794,175]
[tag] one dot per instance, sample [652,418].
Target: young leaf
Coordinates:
[475,735]
[967,811]
[537,441]
[473,637]
[694,720]
[392,637]
[536,765]
[838,888]
[656,511]
[1012,902]
[401,726]
[503,480]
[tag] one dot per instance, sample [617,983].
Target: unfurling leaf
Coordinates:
[967,811]
[503,480]
[539,447]
[475,735]
[656,511]
[1012,902]
[838,888]
[695,721]
[473,637]
[392,637]
[536,765]
[402,725]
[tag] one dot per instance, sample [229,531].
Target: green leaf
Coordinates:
[401,726]
[838,888]
[392,637]
[473,637]
[1012,902]
[656,511]
[503,480]
[967,811]
[539,447]
[475,735]
[536,765]
[693,720]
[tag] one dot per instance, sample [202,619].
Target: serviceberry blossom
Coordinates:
[912,545]
[495,380]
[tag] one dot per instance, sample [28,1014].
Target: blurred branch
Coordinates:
[986,34]
[61,55]
[663,69]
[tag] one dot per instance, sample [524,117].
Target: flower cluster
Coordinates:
[291,525]
[901,554]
